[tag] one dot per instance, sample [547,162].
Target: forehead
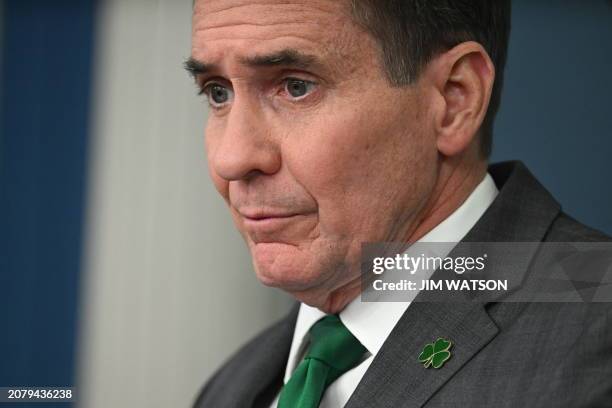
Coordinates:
[242,28]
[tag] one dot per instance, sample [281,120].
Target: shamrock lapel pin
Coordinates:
[435,354]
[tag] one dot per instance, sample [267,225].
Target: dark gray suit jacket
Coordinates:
[504,354]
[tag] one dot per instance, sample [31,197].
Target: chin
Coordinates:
[309,287]
[309,279]
[288,267]
[289,278]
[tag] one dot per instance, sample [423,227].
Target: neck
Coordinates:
[457,179]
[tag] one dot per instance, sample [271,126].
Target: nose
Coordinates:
[244,146]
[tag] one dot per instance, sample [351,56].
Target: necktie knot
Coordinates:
[333,351]
[333,344]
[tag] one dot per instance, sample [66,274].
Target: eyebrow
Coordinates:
[288,57]
[195,67]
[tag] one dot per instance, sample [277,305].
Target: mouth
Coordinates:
[258,216]
[269,221]
[263,219]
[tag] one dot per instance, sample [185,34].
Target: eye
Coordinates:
[218,95]
[298,88]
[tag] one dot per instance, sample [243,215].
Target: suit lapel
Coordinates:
[397,379]
[522,212]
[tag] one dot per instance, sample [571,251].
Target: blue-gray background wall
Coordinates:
[44,94]
[555,116]
[556,112]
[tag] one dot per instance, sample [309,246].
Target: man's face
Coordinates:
[307,142]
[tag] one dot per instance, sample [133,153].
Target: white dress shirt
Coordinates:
[372,322]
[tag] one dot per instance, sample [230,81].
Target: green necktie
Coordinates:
[333,351]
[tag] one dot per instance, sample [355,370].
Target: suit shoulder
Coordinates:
[565,228]
[249,363]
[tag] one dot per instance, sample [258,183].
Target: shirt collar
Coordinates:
[372,322]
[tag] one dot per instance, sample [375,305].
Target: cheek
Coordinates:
[362,169]
[333,163]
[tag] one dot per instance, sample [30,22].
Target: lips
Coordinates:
[264,215]
[271,223]
[269,226]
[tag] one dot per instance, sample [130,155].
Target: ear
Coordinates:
[463,79]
